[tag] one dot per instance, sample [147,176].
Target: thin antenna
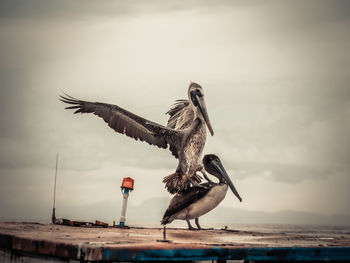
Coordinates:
[54,194]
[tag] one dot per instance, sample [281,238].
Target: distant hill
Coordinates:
[151,211]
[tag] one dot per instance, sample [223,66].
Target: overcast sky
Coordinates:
[275,76]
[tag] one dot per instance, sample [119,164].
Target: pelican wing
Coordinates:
[181,115]
[125,122]
[185,199]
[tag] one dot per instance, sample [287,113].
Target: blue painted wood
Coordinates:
[299,254]
[214,253]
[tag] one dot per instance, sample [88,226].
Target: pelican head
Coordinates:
[213,165]
[196,97]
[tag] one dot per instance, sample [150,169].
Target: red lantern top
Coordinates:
[128,183]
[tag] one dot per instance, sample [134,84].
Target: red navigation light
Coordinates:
[128,183]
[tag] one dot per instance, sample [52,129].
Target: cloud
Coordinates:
[307,14]
[90,8]
[275,78]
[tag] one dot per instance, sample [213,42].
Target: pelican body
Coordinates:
[185,133]
[199,200]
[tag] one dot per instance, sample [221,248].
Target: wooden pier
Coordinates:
[43,241]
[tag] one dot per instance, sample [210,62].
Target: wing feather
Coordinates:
[184,199]
[181,115]
[125,122]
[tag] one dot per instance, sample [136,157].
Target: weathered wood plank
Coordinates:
[140,244]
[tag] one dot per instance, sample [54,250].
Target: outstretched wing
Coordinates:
[125,122]
[185,199]
[181,115]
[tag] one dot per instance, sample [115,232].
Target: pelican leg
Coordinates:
[197,223]
[190,227]
[206,177]
[194,183]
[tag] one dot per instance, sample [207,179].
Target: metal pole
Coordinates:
[125,201]
[53,218]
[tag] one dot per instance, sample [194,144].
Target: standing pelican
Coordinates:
[185,133]
[197,201]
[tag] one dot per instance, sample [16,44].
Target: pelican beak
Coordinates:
[203,109]
[220,168]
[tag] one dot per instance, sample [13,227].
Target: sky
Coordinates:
[275,76]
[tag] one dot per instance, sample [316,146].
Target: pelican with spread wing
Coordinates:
[185,133]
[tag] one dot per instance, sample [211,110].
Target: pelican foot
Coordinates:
[206,177]
[190,227]
[195,183]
